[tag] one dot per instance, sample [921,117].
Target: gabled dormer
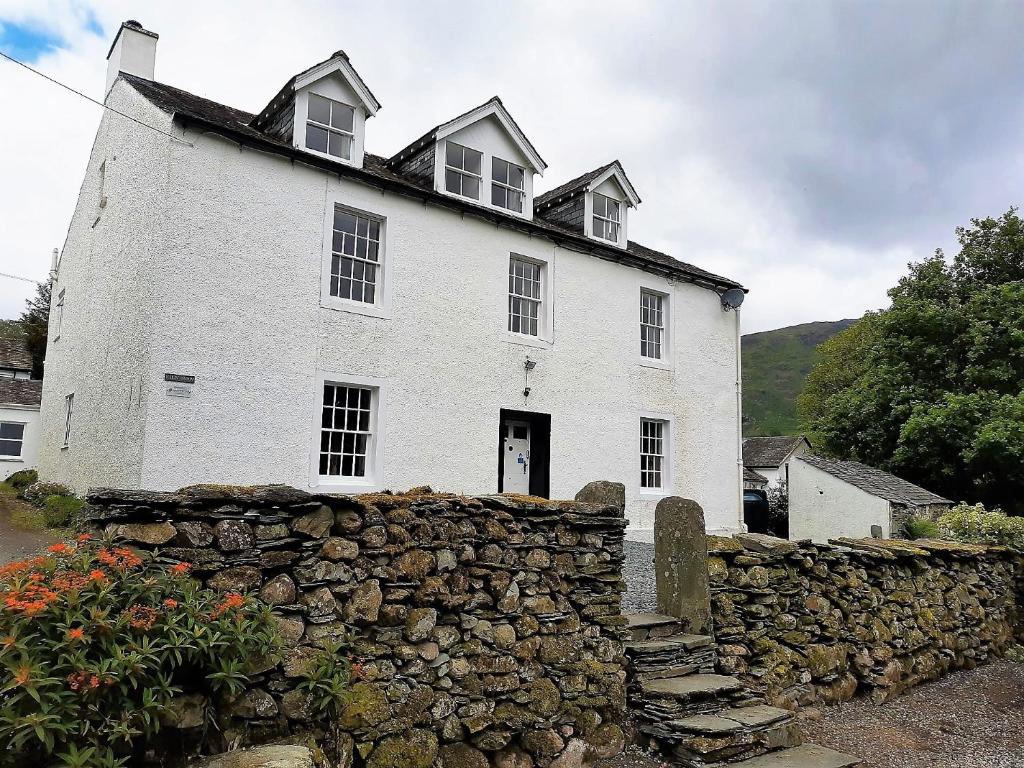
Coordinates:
[323,111]
[595,204]
[481,156]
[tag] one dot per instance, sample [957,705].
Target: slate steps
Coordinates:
[804,756]
[699,719]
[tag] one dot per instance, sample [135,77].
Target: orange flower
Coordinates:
[60,548]
[22,675]
[120,558]
[180,569]
[97,575]
[84,537]
[69,581]
[78,633]
[8,641]
[231,600]
[170,603]
[31,599]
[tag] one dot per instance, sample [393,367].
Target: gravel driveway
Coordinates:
[971,719]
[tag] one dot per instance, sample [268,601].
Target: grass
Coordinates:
[23,515]
[775,364]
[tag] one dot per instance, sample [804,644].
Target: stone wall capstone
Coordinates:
[486,628]
[809,623]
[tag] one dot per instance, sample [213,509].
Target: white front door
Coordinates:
[516,448]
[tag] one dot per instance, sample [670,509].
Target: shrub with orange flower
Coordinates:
[73,620]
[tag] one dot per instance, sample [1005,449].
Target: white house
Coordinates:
[256,298]
[19,409]
[770,457]
[830,499]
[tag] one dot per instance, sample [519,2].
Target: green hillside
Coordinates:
[775,364]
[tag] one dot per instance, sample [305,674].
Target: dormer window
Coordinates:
[606,218]
[462,172]
[330,127]
[508,182]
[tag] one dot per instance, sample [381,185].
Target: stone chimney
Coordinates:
[132,52]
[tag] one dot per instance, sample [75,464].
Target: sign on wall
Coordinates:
[179,384]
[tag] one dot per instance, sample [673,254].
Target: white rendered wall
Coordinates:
[823,507]
[233,297]
[30,442]
[104,332]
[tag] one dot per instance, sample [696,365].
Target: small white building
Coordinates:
[255,297]
[831,499]
[769,457]
[19,424]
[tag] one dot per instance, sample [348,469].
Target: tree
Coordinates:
[933,387]
[35,324]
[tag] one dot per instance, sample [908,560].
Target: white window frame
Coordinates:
[665,361]
[331,129]
[372,480]
[59,311]
[668,452]
[69,410]
[381,306]
[462,171]
[545,317]
[508,188]
[619,205]
[21,447]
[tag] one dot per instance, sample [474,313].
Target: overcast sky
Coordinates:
[806,149]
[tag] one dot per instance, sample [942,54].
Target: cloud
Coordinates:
[806,149]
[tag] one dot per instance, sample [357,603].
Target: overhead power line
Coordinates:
[19,277]
[90,98]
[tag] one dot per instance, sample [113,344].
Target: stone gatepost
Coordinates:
[603,492]
[681,563]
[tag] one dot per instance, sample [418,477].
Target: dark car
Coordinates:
[755,511]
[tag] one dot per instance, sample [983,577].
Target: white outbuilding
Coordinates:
[832,499]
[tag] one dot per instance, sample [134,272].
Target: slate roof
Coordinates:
[235,124]
[876,482]
[769,451]
[570,187]
[13,354]
[750,476]
[21,392]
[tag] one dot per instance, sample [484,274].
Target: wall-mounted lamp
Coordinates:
[528,366]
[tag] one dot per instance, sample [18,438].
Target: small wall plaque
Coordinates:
[180,378]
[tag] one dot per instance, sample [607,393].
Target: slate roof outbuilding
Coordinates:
[750,476]
[13,354]
[769,451]
[24,392]
[876,482]
[236,124]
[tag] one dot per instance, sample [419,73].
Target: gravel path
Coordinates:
[972,719]
[18,543]
[638,573]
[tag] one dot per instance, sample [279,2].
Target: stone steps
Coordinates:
[697,718]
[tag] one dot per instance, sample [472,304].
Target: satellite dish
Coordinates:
[733,299]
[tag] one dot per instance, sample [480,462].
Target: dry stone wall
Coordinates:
[812,623]
[486,628]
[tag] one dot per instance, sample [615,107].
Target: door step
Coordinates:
[804,756]
[673,656]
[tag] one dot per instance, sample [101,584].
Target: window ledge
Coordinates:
[536,342]
[356,308]
[347,486]
[327,155]
[648,362]
[654,493]
[13,459]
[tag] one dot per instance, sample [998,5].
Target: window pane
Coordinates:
[473,161]
[599,209]
[497,195]
[343,117]
[515,201]
[11,431]
[345,222]
[471,187]
[453,153]
[374,230]
[341,145]
[10,447]
[316,138]
[371,251]
[453,181]
[319,109]
[499,170]
[516,177]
